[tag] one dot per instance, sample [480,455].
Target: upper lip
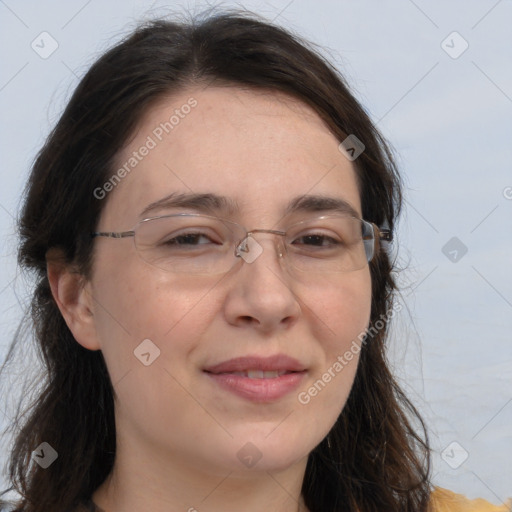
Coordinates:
[278,362]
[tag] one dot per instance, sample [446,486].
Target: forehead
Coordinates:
[260,149]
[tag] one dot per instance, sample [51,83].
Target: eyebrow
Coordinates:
[216,204]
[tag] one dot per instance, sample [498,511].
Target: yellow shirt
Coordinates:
[443,500]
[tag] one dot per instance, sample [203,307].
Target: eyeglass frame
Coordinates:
[379,234]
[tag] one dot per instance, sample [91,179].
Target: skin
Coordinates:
[178,434]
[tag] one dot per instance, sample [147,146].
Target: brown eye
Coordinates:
[318,240]
[188,239]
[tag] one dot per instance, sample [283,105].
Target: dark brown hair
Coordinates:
[373,459]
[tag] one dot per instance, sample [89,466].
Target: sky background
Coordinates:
[436,77]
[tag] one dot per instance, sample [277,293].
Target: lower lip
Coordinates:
[259,390]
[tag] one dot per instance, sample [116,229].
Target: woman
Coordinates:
[208,224]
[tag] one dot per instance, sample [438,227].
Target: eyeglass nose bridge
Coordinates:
[241,246]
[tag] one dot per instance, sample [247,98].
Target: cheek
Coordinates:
[343,317]
[343,309]
[133,303]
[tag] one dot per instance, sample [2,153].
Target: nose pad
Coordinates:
[280,248]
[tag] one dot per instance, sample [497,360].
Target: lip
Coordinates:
[279,362]
[261,390]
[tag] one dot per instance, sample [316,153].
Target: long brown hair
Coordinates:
[373,459]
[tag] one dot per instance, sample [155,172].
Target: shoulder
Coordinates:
[443,500]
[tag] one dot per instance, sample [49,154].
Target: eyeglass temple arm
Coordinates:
[380,234]
[385,234]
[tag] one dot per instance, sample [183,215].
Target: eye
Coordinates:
[317,240]
[193,238]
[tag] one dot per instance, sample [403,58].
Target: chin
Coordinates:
[257,450]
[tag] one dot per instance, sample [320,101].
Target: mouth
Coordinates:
[258,379]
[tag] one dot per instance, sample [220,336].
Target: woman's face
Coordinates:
[260,151]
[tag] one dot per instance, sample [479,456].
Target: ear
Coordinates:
[73,295]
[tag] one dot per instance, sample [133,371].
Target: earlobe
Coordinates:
[73,296]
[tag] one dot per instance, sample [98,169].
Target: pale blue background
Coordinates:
[450,122]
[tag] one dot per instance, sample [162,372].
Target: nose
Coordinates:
[261,294]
